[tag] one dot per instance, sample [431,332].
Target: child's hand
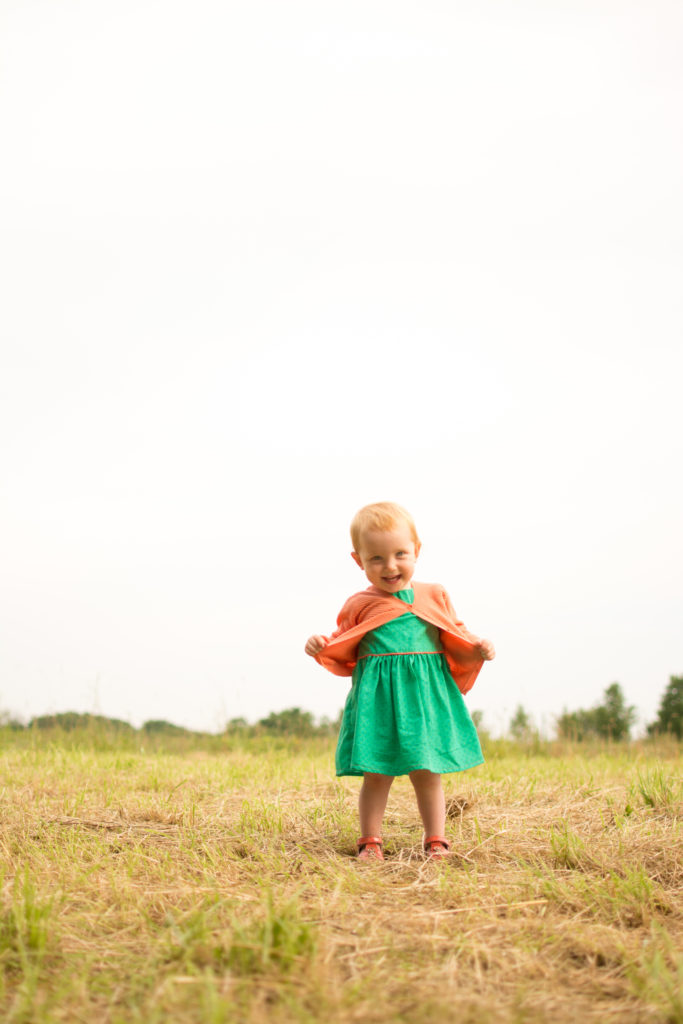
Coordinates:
[486,650]
[314,645]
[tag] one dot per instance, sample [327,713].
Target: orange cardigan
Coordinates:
[371,608]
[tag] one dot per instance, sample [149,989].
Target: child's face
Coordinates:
[388,557]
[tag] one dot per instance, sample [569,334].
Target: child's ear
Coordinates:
[418,548]
[356,557]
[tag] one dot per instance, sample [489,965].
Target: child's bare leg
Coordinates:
[372,802]
[431,801]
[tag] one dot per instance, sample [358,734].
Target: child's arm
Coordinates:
[486,650]
[315,644]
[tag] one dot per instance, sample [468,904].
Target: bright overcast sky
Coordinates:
[262,263]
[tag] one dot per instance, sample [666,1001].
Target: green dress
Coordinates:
[404,711]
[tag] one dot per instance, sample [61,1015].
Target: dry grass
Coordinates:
[221,886]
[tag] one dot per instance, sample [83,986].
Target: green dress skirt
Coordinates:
[404,711]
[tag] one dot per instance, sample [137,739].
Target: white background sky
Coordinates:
[262,263]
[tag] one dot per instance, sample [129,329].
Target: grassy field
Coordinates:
[219,884]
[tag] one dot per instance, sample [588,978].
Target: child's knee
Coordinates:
[375,781]
[424,779]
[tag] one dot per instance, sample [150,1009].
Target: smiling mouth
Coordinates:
[391,579]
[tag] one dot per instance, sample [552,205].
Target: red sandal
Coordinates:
[370,848]
[436,847]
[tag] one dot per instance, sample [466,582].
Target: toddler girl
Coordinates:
[410,659]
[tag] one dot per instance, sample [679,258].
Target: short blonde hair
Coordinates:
[383,515]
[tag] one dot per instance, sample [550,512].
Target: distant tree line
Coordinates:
[291,722]
[610,719]
[70,721]
[670,715]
